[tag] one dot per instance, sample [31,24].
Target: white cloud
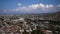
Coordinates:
[58,5]
[49,6]
[36,6]
[19,4]
[15,9]
[33,7]
[41,5]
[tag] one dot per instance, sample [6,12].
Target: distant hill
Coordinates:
[48,16]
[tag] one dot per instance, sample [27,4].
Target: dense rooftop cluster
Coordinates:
[28,24]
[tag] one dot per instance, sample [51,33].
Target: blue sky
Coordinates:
[9,5]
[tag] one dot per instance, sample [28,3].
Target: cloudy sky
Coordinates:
[29,6]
